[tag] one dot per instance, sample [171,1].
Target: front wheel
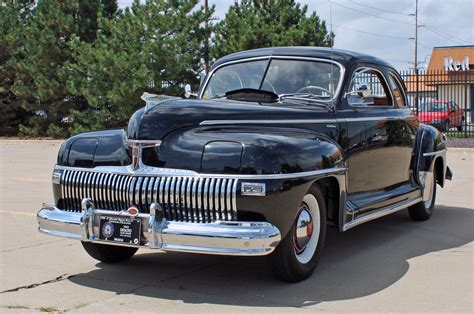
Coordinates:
[424,209]
[108,253]
[298,253]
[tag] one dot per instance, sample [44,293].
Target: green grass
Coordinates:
[456,134]
[48,309]
[78,306]
[17,307]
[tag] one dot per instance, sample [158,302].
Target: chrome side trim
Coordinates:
[152,171]
[296,121]
[279,57]
[380,213]
[437,153]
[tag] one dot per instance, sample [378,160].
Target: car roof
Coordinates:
[346,58]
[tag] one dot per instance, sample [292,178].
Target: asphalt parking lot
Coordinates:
[389,265]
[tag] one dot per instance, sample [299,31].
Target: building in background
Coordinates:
[449,76]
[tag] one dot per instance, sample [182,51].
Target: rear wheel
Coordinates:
[424,209]
[109,253]
[298,253]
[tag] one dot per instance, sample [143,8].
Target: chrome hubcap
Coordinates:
[304,228]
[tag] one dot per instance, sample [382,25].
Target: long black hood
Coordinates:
[172,115]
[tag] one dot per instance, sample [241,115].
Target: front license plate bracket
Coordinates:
[120,229]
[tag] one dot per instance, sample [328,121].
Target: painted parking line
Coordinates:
[17,213]
[29,179]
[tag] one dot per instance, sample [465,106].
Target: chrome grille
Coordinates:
[183,198]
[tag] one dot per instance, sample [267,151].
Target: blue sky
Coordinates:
[447,23]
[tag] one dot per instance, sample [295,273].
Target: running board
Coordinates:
[381,212]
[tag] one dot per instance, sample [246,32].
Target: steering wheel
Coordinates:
[307,89]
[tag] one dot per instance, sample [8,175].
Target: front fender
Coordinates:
[92,149]
[246,150]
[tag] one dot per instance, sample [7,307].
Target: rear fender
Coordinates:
[430,146]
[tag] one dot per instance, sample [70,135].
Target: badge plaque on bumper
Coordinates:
[120,229]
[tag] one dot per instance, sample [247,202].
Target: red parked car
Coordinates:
[442,114]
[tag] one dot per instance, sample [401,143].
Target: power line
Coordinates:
[397,60]
[379,9]
[369,33]
[424,45]
[374,15]
[444,35]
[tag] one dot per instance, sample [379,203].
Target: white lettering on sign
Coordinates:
[451,65]
[125,231]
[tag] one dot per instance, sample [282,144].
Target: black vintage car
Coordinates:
[277,145]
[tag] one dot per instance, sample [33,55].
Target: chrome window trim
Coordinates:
[392,73]
[153,171]
[392,106]
[278,57]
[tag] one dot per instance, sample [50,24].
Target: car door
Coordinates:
[377,151]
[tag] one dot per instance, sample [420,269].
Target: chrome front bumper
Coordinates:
[220,237]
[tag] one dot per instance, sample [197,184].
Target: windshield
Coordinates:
[279,76]
[434,107]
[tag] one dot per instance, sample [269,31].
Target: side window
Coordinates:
[398,94]
[368,88]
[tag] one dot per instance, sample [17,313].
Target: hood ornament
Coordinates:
[137,146]
[153,100]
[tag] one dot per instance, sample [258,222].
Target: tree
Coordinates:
[13,17]
[265,23]
[151,47]
[42,59]
[40,71]
[88,13]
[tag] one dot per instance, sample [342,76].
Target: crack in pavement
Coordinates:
[30,246]
[34,285]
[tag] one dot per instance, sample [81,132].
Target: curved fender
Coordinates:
[430,144]
[92,149]
[246,150]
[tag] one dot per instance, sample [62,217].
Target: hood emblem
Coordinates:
[137,146]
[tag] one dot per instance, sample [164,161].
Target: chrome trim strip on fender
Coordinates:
[295,121]
[437,153]
[380,213]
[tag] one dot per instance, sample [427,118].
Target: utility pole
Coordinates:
[415,62]
[206,40]
[416,35]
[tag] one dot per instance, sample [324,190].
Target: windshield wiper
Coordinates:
[304,97]
[249,94]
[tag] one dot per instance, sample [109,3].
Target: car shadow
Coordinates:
[356,263]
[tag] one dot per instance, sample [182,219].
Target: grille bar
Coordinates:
[183,198]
